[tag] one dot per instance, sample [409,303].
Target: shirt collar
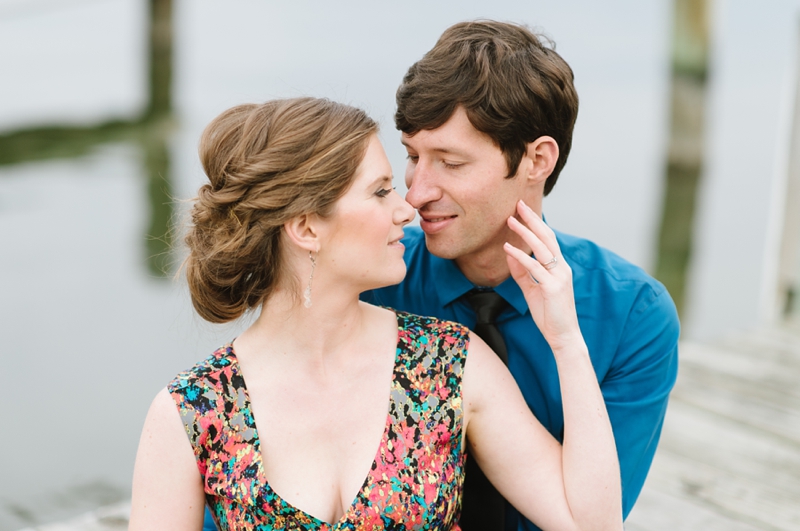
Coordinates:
[450,284]
[511,292]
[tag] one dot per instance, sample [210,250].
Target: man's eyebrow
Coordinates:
[449,151]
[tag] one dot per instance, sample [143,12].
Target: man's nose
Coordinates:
[421,184]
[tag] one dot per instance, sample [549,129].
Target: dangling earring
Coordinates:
[307,293]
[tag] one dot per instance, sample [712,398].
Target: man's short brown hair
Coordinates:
[512,84]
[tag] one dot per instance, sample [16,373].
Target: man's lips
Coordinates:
[434,223]
[434,216]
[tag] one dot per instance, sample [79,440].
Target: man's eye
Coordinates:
[451,166]
[412,158]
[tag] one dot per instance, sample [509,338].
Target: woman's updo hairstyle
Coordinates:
[266,164]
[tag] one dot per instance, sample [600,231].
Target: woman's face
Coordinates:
[360,243]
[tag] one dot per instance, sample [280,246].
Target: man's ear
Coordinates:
[541,156]
[303,232]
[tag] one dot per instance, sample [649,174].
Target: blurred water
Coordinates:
[90,333]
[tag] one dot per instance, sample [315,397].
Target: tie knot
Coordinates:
[487,305]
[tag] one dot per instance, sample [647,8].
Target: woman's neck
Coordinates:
[288,332]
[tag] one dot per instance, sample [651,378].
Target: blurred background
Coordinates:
[681,163]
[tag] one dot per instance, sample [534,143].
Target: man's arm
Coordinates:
[208,521]
[637,386]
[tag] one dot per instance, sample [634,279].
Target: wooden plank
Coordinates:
[729,456]
[108,518]
[764,405]
[660,511]
[728,468]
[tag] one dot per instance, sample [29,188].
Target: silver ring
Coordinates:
[551,264]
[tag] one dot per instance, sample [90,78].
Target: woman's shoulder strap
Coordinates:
[439,346]
[198,390]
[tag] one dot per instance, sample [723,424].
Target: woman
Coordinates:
[298,219]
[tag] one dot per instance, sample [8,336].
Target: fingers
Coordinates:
[519,272]
[542,242]
[540,229]
[539,249]
[530,270]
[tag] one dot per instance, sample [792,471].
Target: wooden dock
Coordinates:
[729,458]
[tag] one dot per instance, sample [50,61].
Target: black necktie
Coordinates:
[487,306]
[483,508]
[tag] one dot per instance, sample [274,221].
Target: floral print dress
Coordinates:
[416,478]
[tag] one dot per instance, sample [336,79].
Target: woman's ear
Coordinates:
[541,156]
[302,231]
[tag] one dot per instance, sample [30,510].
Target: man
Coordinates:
[487,118]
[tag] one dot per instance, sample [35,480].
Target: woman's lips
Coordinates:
[397,243]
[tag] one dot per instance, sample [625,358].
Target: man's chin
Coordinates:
[441,247]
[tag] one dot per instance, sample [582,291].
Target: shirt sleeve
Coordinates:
[208,521]
[637,386]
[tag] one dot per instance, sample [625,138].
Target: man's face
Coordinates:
[456,178]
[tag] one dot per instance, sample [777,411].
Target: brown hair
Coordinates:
[266,164]
[512,84]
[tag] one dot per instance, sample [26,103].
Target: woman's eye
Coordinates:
[383,192]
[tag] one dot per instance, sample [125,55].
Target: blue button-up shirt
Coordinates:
[628,321]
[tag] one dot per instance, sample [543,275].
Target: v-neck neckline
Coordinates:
[265,485]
